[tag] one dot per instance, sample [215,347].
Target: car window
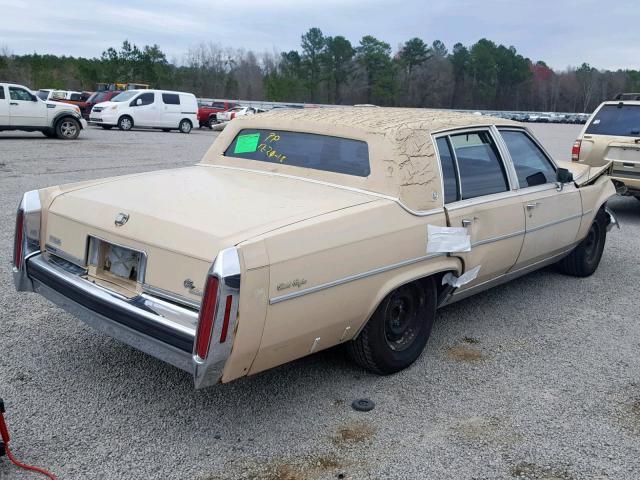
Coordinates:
[170,99]
[76,97]
[124,96]
[622,120]
[43,94]
[147,99]
[479,164]
[449,174]
[217,105]
[531,164]
[1,92]
[16,93]
[307,150]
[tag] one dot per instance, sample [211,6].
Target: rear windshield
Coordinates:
[622,120]
[307,150]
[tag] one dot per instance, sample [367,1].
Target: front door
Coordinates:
[25,109]
[478,196]
[552,215]
[145,110]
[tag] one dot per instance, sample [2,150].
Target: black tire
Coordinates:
[397,332]
[211,122]
[67,128]
[125,123]
[185,126]
[585,258]
[107,127]
[49,133]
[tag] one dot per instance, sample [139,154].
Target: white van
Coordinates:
[161,109]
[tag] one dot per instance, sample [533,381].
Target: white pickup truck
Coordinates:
[21,109]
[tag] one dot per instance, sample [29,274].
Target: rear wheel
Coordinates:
[398,331]
[125,123]
[211,122]
[185,126]
[67,128]
[585,258]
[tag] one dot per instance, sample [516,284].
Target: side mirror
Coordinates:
[564,176]
[139,102]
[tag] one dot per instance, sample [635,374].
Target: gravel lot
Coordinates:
[539,378]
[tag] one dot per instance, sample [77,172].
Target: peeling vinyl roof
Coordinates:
[401,153]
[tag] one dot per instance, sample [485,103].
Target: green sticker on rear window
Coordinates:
[247,143]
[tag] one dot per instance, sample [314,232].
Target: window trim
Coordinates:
[503,157]
[528,133]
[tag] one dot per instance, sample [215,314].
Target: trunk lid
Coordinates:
[181,218]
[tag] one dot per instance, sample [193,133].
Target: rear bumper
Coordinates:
[154,326]
[630,179]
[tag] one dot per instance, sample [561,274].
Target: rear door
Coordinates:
[552,213]
[479,196]
[170,110]
[4,107]
[25,109]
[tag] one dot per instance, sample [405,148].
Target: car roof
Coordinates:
[401,152]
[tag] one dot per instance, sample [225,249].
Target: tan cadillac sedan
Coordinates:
[303,229]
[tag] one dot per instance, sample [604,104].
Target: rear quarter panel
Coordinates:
[330,248]
[593,196]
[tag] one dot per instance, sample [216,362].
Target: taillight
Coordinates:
[575,151]
[225,321]
[233,115]
[18,240]
[207,316]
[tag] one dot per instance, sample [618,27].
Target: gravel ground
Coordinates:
[538,378]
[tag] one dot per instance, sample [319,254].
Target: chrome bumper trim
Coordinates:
[166,333]
[612,219]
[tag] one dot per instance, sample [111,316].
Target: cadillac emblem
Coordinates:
[121,219]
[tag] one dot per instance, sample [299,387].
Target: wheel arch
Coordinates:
[437,268]
[62,115]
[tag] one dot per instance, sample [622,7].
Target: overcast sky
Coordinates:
[605,34]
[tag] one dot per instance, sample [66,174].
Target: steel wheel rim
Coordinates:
[402,319]
[68,129]
[184,127]
[126,124]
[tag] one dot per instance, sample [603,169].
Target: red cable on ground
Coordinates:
[4,437]
[24,466]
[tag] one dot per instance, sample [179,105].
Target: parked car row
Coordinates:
[539,117]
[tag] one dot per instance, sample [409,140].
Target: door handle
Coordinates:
[531,206]
[14,103]
[466,222]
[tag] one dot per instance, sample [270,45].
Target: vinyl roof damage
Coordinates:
[401,152]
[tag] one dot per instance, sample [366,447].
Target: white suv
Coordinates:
[147,109]
[21,109]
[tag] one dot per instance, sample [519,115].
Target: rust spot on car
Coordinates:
[464,353]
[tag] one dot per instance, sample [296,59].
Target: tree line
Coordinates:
[329,69]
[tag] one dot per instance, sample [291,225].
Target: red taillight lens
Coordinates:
[225,323]
[207,316]
[18,239]
[575,151]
